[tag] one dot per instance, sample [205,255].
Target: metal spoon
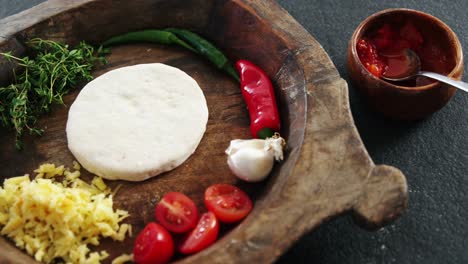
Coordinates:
[412,68]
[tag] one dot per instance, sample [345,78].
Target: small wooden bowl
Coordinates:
[402,102]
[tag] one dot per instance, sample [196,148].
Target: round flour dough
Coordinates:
[136,122]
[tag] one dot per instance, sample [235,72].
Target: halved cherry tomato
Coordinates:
[204,234]
[229,203]
[153,245]
[176,212]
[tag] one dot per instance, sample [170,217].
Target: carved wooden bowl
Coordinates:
[326,172]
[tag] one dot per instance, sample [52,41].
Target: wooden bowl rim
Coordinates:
[370,19]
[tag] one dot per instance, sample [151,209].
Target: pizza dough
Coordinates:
[136,122]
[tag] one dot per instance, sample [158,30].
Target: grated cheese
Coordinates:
[123,259]
[54,220]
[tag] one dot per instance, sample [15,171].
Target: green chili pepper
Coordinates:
[150,35]
[182,37]
[205,48]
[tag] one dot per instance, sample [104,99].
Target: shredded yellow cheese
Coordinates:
[123,259]
[54,220]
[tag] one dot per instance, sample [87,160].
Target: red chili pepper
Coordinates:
[259,96]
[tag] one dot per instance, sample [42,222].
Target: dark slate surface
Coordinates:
[433,153]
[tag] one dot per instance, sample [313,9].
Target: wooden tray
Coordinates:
[327,170]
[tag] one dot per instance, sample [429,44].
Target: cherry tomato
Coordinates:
[204,234]
[176,212]
[154,245]
[229,203]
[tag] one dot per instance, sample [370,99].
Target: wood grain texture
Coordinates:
[326,172]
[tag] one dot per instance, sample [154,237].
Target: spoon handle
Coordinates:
[441,78]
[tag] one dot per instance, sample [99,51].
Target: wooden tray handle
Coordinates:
[383,199]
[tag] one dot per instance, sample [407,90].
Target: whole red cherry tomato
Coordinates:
[229,203]
[153,245]
[176,212]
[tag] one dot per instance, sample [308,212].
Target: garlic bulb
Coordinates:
[252,159]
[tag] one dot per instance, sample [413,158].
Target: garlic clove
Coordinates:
[250,163]
[237,144]
[253,159]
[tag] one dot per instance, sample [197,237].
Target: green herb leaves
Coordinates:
[43,81]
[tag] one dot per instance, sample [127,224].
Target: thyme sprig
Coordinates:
[43,81]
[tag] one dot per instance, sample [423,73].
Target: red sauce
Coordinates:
[397,64]
[369,56]
[380,51]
